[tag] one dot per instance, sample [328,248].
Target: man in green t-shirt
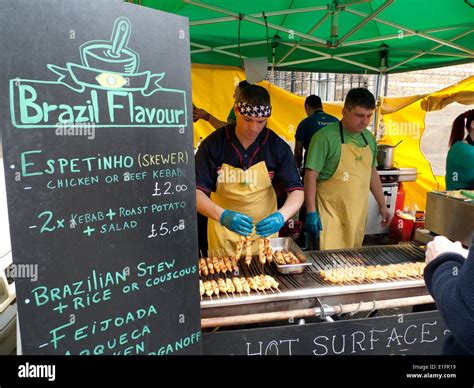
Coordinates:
[340,171]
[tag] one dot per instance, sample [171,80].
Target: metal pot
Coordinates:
[385,156]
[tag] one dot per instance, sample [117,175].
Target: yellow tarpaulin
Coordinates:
[214,86]
[407,123]
[403,118]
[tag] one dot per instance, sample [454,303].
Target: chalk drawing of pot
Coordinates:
[114,55]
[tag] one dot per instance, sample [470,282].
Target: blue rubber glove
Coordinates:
[313,223]
[270,224]
[237,222]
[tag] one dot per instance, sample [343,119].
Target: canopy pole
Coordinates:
[295,46]
[325,56]
[258,15]
[418,33]
[216,50]
[367,19]
[378,85]
[407,34]
[334,11]
[254,20]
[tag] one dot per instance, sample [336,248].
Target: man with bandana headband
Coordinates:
[235,167]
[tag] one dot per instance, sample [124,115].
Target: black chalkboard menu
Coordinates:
[97,140]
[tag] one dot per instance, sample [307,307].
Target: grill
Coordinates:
[309,288]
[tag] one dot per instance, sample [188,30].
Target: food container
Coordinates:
[450,217]
[286,244]
[385,155]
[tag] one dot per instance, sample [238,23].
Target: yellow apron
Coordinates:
[343,199]
[246,191]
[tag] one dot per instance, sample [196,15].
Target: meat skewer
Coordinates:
[222,265]
[271,282]
[215,264]
[373,272]
[237,284]
[203,267]
[268,249]
[290,258]
[235,266]
[210,266]
[252,284]
[262,257]
[230,286]
[208,288]
[228,263]
[215,288]
[201,288]
[280,260]
[222,286]
[245,285]
[239,248]
[248,250]
[260,283]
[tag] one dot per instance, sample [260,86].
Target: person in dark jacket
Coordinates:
[449,277]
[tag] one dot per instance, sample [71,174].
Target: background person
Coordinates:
[316,120]
[235,166]
[339,171]
[460,160]
[199,113]
[449,278]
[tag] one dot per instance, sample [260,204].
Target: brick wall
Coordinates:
[427,81]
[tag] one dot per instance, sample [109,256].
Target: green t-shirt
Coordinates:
[231,118]
[324,151]
[460,166]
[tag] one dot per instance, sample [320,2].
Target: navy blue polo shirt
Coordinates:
[310,125]
[222,146]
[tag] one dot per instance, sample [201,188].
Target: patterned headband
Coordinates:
[247,109]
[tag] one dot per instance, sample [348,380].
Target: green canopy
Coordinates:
[342,36]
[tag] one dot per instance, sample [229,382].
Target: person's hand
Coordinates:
[199,113]
[237,222]
[313,223]
[385,216]
[440,245]
[271,224]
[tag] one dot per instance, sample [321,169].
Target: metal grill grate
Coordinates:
[380,255]
[324,260]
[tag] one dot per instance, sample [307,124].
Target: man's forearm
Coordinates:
[216,123]
[206,207]
[376,188]
[292,204]
[310,177]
